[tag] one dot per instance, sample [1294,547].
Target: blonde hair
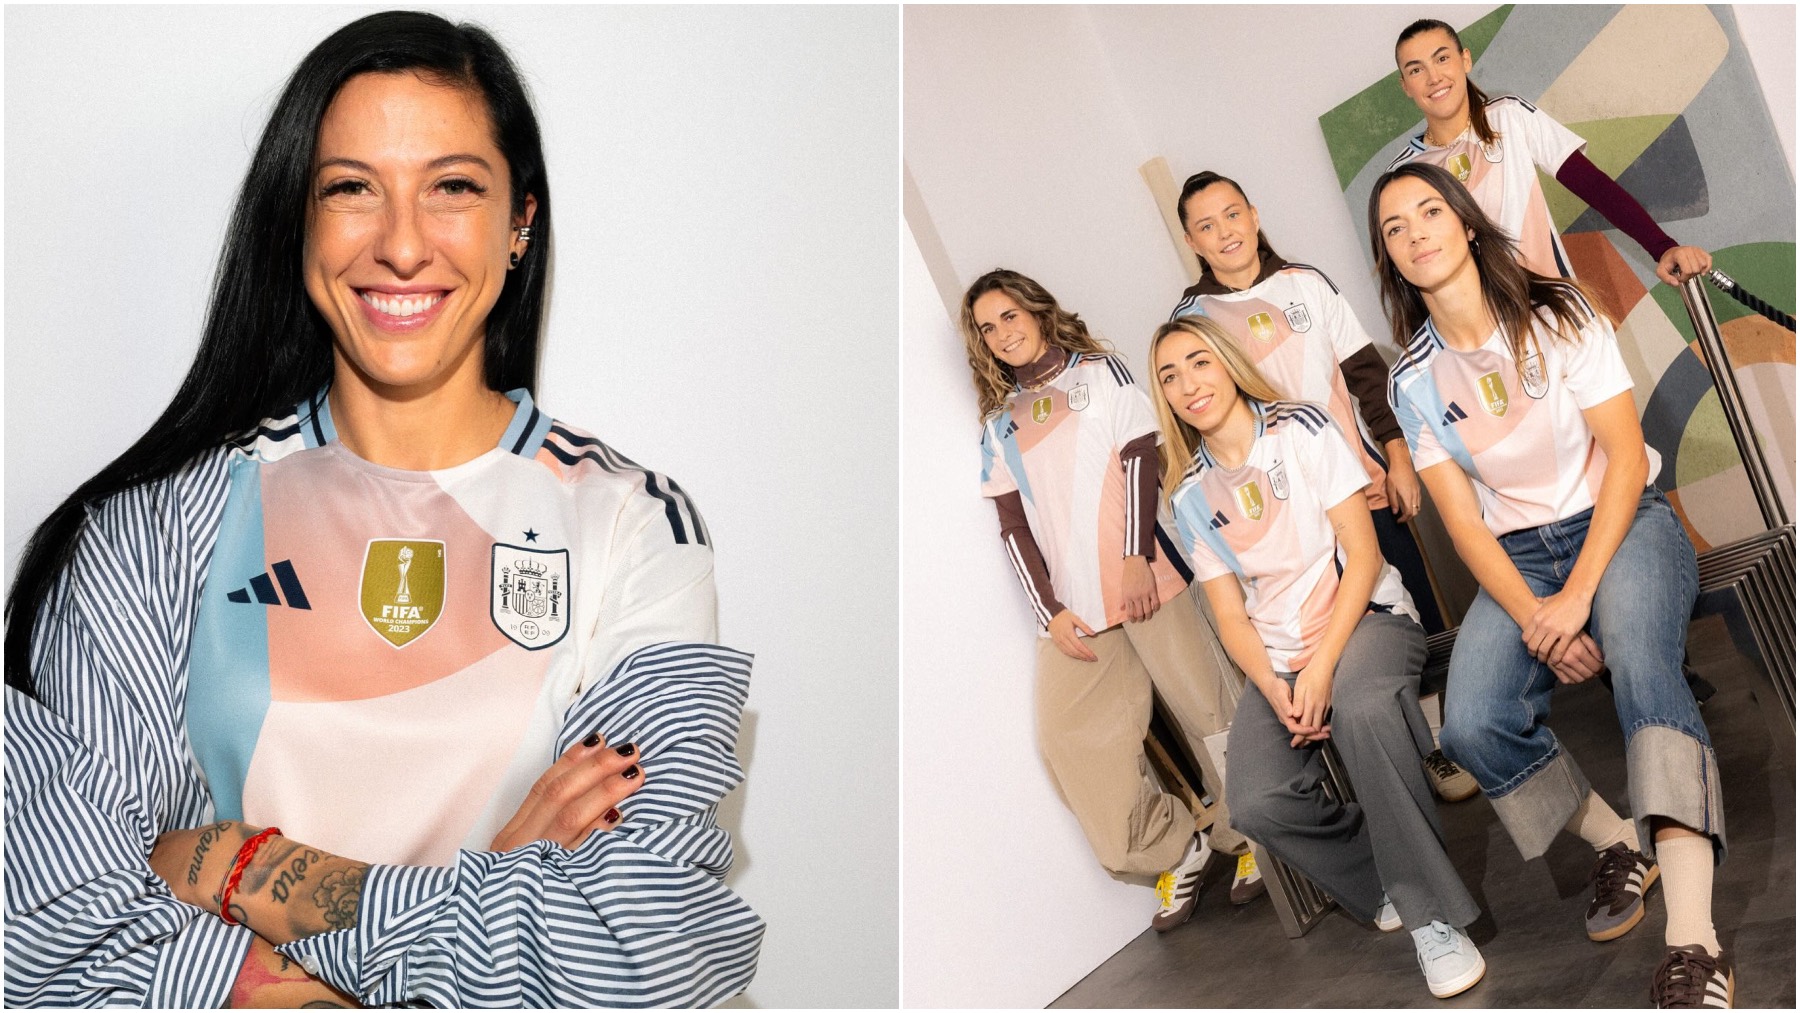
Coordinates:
[994,379]
[1181,441]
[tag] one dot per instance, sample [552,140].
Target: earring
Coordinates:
[512,260]
[524,233]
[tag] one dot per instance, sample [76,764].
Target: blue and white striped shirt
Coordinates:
[635,917]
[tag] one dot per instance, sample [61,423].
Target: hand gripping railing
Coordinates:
[1758,572]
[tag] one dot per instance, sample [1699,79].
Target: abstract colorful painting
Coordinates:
[1670,106]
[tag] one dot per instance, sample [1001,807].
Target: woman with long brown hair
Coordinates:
[1069,458]
[1518,407]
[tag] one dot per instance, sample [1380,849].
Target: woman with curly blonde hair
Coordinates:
[1069,458]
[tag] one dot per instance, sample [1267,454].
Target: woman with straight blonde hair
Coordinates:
[1069,459]
[1270,508]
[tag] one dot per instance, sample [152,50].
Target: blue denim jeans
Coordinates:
[1500,695]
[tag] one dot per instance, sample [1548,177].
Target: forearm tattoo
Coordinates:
[338,897]
[208,837]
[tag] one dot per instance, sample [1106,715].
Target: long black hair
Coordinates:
[265,347]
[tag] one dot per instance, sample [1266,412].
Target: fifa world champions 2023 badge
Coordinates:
[402,588]
[1250,501]
[529,595]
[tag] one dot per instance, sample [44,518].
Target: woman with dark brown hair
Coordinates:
[1496,148]
[1518,407]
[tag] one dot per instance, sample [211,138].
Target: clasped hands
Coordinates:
[1556,634]
[1304,708]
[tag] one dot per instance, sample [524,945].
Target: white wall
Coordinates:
[1025,128]
[725,194]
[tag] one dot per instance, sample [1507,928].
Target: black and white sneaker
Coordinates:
[1179,888]
[1691,978]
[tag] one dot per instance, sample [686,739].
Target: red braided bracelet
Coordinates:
[238,866]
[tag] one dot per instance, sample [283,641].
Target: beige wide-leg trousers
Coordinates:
[1092,719]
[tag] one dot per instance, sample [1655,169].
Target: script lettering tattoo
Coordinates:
[338,897]
[294,874]
[201,847]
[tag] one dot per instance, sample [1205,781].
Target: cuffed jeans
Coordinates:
[1494,715]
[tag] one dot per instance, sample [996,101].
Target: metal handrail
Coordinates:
[1712,347]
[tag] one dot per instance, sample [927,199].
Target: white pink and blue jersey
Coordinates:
[368,634]
[1298,329]
[1516,431]
[1058,447]
[1265,522]
[1503,176]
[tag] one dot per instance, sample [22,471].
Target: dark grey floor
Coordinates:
[1531,928]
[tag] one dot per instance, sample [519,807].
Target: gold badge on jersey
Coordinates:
[402,588]
[1459,166]
[1040,410]
[1262,327]
[1493,394]
[1250,500]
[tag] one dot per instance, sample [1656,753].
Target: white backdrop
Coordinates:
[1024,131]
[725,199]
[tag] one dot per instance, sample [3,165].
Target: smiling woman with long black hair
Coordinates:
[358,652]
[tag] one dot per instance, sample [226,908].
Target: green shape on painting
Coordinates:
[1706,444]
[1612,145]
[1357,130]
[1766,269]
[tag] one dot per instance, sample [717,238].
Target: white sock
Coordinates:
[1596,823]
[1687,875]
[1433,707]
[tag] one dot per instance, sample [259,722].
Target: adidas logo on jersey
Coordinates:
[1219,520]
[264,590]
[1455,414]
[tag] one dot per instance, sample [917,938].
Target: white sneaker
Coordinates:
[1386,918]
[1449,959]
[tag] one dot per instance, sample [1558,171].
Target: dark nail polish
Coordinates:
[612,816]
[630,773]
[626,750]
[592,740]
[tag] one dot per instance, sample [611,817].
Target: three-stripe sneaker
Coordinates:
[1621,877]
[1691,978]
[1248,884]
[1179,888]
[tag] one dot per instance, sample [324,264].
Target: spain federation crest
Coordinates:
[402,588]
[1250,500]
[1078,397]
[1278,480]
[1532,378]
[1492,390]
[1040,409]
[1298,318]
[1262,327]
[529,595]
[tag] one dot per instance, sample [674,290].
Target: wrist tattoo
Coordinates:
[339,895]
[208,837]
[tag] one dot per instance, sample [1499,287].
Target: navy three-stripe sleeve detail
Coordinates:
[688,529]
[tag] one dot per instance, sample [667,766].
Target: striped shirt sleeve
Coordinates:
[99,768]
[637,917]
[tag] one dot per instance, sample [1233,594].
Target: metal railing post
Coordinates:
[1712,346]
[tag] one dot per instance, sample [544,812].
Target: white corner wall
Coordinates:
[1024,131]
[726,288]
